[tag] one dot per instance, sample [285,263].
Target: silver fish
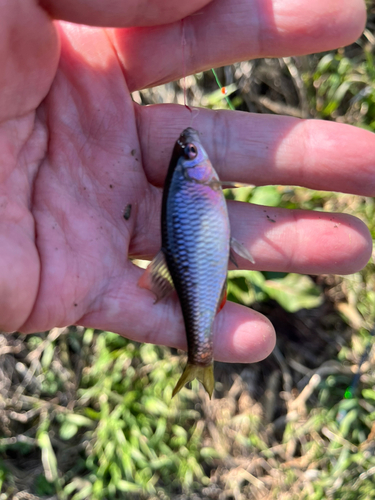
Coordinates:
[195,251]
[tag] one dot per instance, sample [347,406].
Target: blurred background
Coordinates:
[88,414]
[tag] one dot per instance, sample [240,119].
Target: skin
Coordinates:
[75,151]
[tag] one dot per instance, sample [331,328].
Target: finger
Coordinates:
[121,12]
[264,149]
[19,259]
[282,240]
[227,31]
[19,275]
[28,56]
[240,334]
[300,241]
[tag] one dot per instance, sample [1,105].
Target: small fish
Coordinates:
[196,247]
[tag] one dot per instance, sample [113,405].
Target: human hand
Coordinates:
[75,151]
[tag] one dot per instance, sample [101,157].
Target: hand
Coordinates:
[75,152]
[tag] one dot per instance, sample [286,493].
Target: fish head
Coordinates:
[191,149]
[193,159]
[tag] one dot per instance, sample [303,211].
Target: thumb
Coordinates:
[29,51]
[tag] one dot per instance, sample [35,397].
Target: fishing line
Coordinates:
[193,111]
[183,43]
[194,114]
[222,88]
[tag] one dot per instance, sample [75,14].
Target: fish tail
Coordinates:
[205,375]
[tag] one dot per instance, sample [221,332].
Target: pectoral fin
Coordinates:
[234,185]
[157,278]
[216,184]
[236,246]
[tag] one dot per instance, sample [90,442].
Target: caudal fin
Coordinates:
[205,375]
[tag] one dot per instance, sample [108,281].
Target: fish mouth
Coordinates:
[188,135]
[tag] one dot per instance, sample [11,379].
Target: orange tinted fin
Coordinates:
[205,375]
[236,246]
[157,278]
[223,298]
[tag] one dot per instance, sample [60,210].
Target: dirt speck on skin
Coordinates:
[133,153]
[127,212]
[269,218]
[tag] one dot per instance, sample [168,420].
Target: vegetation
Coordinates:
[88,414]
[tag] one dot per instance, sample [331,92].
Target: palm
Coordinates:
[84,154]
[89,171]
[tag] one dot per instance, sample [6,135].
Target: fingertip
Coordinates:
[360,245]
[349,20]
[320,25]
[19,277]
[254,340]
[249,336]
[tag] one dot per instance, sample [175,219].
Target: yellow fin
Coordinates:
[205,375]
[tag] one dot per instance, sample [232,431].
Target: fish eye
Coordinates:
[190,151]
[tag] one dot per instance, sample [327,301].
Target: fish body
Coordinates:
[195,241]
[195,251]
